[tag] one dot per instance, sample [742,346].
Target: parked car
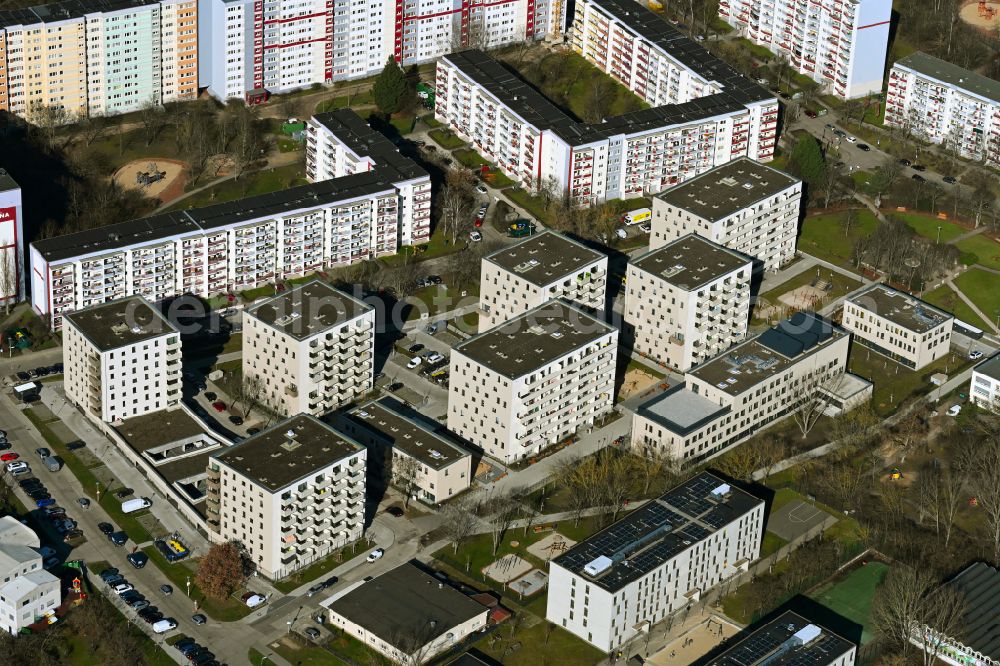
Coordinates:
[918,167]
[481,189]
[253,431]
[165,625]
[375,555]
[478,224]
[905,162]
[219,406]
[954,410]
[975,354]
[106,528]
[44,502]
[167,590]
[917,177]
[621,233]
[434,357]
[141,604]
[198,618]
[395,386]
[950,180]
[864,146]
[475,236]
[236,420]
[136,504]
[110,572]
[121,588]
[850,139]
[4,445]
[645,228]
[416,348]
[10,456]
[318,587]
[211,396]
[72,536]
[395,511]
[253,600]
[42,452]
[414,362]
[118,538]
[50,562]
[39,494]
[138,559]
[24,376]
[123,493]
[78,444]
[330,582]
[18,468]
[312,632]
[83,502]
[150,615]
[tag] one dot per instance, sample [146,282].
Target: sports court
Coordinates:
[795,519]
[852,595]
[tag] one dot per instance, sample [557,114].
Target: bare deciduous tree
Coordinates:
[405,471]
[810,397]
[459,523]
[985,483]
[8,278]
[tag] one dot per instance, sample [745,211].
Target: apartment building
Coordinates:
[789,640]
[122,359]
[408,450]
[12,287]
[98,57]
[898,325]
[532,381]
[27,590]
[340,143]
[311,349]
[945,104]
[841,44]
[984,387]
[716,117]
[687,301]
[735,395]
[743,205]
[541,268]
[234,246]
[289,495]
[618,583]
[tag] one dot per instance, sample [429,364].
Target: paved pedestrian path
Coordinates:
[965,299]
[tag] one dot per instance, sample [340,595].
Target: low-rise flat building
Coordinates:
[687,301]
[406,614]
[532,381]
[122,359]
[738,393]
[898,325]
[406,450]
[289,495]
[746,206]
[311,349]
[984,388]
[789,640]
[539,269]
[621,581]
[27,590]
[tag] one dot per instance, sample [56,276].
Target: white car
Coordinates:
[163,626]
[954,410]
[434,357]
[375,555]
[621,233]
[851,139]
[645,228]
[122,588]
[475,236]
[16,467]
[254,600]
[482,189]
[975,355]
[414,362]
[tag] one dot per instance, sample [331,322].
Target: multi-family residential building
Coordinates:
[839,43]
[662,557]
[255,49]
[288,495]
[532,381]
[122,359]
[311,349]
[541,268]
[98,57]
[716,116]
[735,395]
[340,143]
[898,325]
[789,640]
[408,450]
[943,103]
[27,590]
[234,246]
[974,639]
[984,387]
[406,614]
[746,206]
[687,301]
[11,241]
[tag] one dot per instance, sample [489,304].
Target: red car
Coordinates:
[219,406]
[479,223]
[9,456]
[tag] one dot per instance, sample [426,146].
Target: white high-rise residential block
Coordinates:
[11,241]
[743,205]
[687,301]
[945,104]
[657,560]
[539,269]
[289,495]
[532,381]
[122,359]
[984,388]
[733,396]
[27,591]
[898,325]
[840,43]
[311,349]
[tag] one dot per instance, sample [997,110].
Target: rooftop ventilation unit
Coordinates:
[598,566]
[722,491]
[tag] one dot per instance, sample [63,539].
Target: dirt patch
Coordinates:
[551,546]
[695,643]
[165,188]
[507,568]
[636,381]
[982,15]
[803,298]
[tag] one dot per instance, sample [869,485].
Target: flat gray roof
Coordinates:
[288,451]
[953,75]
[308,309]
[681,410]
[545,258]
[534,339]
[788,640]
[990,367]
[900,308]
[6,182]
[407,607]
[691,262]
[120,323]
[727,189]
[386,417]
[158,428]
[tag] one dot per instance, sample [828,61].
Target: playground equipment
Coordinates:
[986,12]
[147,178]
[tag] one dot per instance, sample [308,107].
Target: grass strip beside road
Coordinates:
[318,569]
[948,300]
[178,573]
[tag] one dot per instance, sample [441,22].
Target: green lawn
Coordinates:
[823,235]
[250,184]
[852,596]
[251,295]
[446,139]
[895,383]
[228,610]
[438,298]
[945,298]
[927,226]
[772,542]
[318,569]
[470,158]
[430,121]
[345,101]
[986,251]
[983,289]
[539,645]
[572,89]
[534,205]
[403,124]
[439,244]
[840,285]
[313,655]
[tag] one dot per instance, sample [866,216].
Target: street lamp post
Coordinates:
[188,584]
[938,242]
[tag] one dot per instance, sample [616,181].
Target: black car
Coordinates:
[28,484]
[919,167]
[864,146]
[4,445]
[416,348]
[917,177]
[123,493]
[203,658]
[253,431]
[108,573]
[434,279]
[24,376]
[39,494]
[318,587]
[138,559]
[118,538]
[42,372]
[330,582]
[198,618]
[114,580]
[950,180]
[187,646]
[57,368]
[150,614]
[73,446]
[905,162]
[395,386]
[236,420]
[395,511]
[211,396]
[106,528]
[130,597]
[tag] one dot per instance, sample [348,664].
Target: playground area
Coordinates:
[796,519]
[696,642]
[550,547]
[851,594]
[635,382]
[530,583]
[981,14]
[507,568]
[157,178]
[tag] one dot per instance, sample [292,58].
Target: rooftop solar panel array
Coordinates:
[789,640]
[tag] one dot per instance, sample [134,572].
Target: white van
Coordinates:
[163,626]
[137,504]
[637,216]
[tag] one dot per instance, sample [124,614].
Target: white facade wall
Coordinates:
[984,388]
[842,44]
[27,590]
[914,349]
[12,286]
